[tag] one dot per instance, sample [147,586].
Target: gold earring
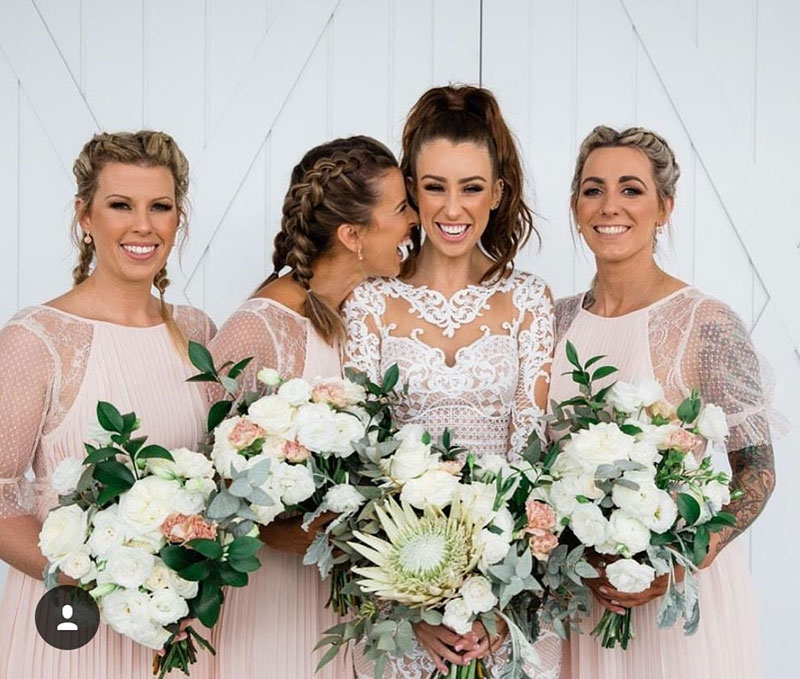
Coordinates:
[87,239]
[360,254]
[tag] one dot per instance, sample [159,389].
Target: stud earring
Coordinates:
[87,239]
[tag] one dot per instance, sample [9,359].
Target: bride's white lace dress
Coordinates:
[477,363]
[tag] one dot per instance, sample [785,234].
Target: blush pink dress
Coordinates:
[686,340]
[270,627]
[54,367]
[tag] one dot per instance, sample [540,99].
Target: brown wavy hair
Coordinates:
[146,148]
[335,183]
[462,113]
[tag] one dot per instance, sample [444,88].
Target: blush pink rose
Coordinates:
[453,467]
[680,439]
[295,452]
[542,545]
[329,392]
[244,433]
[180,528]
[541,517]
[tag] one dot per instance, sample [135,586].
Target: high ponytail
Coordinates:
[471,114]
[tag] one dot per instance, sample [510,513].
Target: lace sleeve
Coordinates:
[195,324]
[566,310]
[273,336]
[719,359]
[27,369]
[535,346]
[362,313]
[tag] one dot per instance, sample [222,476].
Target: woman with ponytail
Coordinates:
[108,338]
[472,336]
[345,217]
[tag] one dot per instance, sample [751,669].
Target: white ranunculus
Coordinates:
[412,459]
[435,487]
[66,475]
[127,611]
[628,531]
[63,532]
[269,377]
[640,503]
[477,594]
[129,567]
[160,576]
[293,483]
[348,429]
[108,531]
[645,452]
[295,392]
[565,465]
[457,616]
[167,606]
[650,391]
[665,514]
[344,498]
[187,464]
[602,443]
[77,564]
[148,502]
[711,423]
[624,397]
[152,636]
[492,548]
[272,413]
[478,500]
[718,495]
[630,576]
[186,588]
[589,525]
[265,514]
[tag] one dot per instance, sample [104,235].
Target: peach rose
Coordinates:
[680,439]
[541,517]
[295,452]
[180,528]
[542,545]
[244,433]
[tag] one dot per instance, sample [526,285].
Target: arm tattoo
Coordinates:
[754,473]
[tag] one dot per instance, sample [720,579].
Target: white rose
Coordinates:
[200,486]
[293,483]
[711,423]
[505,522]
[434,487]
[108,531]
[127,611]
[265,514]
[166,606]
[344,499]
[493,463]
[77,564]
[271,413]
[185,588]
[129,567]
[563,493]
[564,465]
[269,377]
[148,502]
[66,475]
[650,391]
[412,459]
[628,531]
[478,499]
[63,532]
[457,616]
[602,443]
[160,576]
[186,465]
[645,452]
[665,514]
[492,548]
[151,636]
[224,455]
[589,525]
[477,594]
[410,432]
[187,503]
[718,495]
[295,392]
[624,397]
[348,429]
[630,576]
[640,503]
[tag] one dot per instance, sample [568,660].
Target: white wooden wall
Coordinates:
[246,86]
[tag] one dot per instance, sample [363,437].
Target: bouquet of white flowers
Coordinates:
[631,482]
[132,528]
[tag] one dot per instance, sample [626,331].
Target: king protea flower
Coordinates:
[424,559]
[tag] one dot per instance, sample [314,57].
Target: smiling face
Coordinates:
[385,241]
[132,220]
[455,190]
[618,208]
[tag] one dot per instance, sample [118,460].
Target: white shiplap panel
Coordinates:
[114,43]
[9,165]
[360,82]
[46,256]
[63,20]
[456,41]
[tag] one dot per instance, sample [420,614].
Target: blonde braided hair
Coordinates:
[146,148]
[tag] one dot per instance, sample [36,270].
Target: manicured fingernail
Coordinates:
[616,603]
[604,590]
[459,647]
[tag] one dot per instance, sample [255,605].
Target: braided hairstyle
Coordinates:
[145,148]
[335,183]
[462,113]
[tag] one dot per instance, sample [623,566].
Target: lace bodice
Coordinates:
[53,368]
[473,362]
[686,341]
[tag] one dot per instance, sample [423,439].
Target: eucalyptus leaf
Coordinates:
[240,487]
[223,505]
[257,474]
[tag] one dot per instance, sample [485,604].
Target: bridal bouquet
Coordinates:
[132,527]
[628,484]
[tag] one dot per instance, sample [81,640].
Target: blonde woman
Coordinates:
[652,325]
[107,338]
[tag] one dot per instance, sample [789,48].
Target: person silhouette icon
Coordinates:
[67,626]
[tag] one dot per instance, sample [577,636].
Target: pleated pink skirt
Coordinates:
[725,645]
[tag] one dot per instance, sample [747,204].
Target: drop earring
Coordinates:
[87,239]
[360,254]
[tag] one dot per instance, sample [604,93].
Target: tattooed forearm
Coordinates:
[754,473]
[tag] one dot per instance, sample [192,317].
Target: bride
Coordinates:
[472,336]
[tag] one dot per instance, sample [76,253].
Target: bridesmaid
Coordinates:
[472,335]
[108,338]
[652,325]
[345,217]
